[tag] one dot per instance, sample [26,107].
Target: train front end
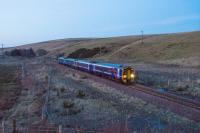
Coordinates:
[128,75]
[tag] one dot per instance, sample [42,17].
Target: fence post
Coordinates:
[60,129]
[3,124]
[168,84]
[42,112]
[14,126]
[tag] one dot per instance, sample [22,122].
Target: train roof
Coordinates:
[110,64]
[71,59]
[95,62]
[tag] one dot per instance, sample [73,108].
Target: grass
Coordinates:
[8,74]
[159,51]
[10,86]
[156,48]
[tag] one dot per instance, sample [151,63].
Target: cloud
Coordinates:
[179,19]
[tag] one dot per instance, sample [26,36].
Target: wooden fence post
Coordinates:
[42,112]
[3,124]
[14,126]
[168,83]
[60,129]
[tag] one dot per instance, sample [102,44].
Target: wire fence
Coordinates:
[111,128]
[180,80]
[9,128]
[46,114]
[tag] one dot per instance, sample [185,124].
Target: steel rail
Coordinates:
[168,96]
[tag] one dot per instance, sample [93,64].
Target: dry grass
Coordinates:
[10,87]
[167,48]
[142,106]
[162,48]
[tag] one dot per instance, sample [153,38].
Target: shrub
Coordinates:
[60,55]
[41,52]
[80,94]
[71,111]
[8,53]
[22,52]
[62,89]
[68,104]
[181,88]
[87,53]
[74,111]
[73,74]
[84,77]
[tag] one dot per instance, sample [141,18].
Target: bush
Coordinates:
[74,111]
[84,77]
[41,52]
[71,111]
[21,52]
[60,55]
[87,53]
[73,74]
[68,104]
[181,88]
[15,52]
[62,89]
[7,53]
[80,94]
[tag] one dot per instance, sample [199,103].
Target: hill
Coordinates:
[176,48]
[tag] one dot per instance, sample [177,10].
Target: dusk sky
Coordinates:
[29,21]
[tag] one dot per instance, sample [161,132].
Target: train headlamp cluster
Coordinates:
[124,76]
[132,75]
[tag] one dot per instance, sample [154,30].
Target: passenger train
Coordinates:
[118,72]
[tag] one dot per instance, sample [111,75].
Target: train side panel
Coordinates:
[106,71]
[82,65]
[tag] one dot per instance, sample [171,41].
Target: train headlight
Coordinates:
[124,76]
[132,75]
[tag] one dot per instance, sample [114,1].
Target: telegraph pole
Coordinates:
[142,36]
[2,50]
[100,51]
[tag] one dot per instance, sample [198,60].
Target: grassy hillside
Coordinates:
[179,48]
[162,48]
[10,87]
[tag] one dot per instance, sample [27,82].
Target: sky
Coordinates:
[29,21]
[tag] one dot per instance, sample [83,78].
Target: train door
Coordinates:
[91,67]
[114,73]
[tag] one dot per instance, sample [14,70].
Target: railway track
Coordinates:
[186,107]
[168,96]
[164,95]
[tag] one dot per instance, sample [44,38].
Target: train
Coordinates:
[118,72]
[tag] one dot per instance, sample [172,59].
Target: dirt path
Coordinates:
[126,46]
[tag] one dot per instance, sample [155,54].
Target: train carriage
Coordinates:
[119,72]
